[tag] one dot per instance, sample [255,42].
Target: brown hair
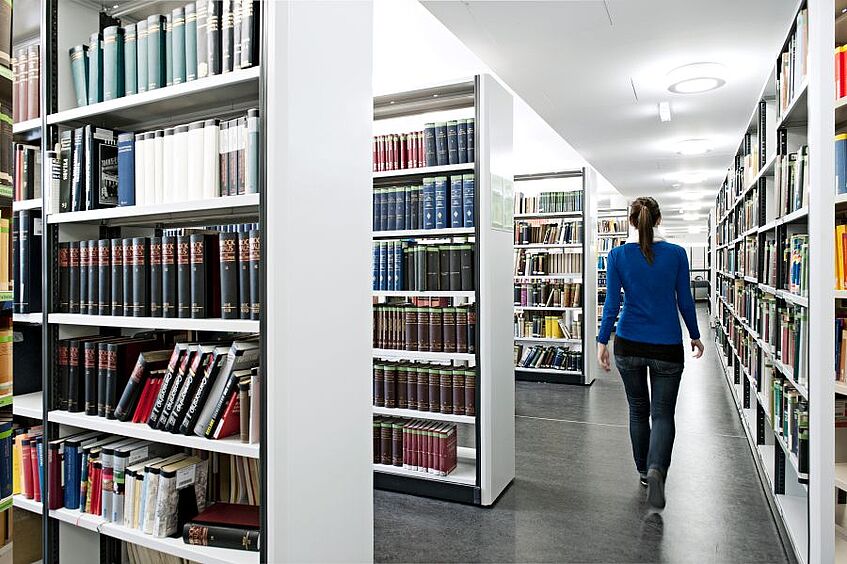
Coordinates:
[644,214]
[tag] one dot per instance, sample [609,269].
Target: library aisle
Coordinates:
[576,496]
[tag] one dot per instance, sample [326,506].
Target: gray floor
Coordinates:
[576,497]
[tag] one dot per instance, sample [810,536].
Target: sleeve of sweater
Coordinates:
[612,305]
[683,296]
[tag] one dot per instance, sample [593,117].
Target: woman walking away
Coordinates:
[654,276]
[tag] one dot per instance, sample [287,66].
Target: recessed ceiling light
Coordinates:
[691,217]
[664,111]
[689,177]
[693,147]
[695,229]
[696,78]
[691,196]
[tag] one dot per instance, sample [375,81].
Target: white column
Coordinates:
[589,276]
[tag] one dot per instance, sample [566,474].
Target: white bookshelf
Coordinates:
[31,318]
[31,204]
[424,171]
[28,405]
[424,356]
[20,501]
[428,415]
[27,126]
[437,233]
[172,323]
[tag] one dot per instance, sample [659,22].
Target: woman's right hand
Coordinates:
[603,357]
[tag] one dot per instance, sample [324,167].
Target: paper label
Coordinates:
[185,476]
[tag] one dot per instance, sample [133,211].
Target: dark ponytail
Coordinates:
[644,214]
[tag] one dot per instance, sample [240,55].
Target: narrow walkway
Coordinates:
[576,497]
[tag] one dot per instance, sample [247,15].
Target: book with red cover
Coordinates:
[143,399]
[229,515]
[55,495]
[230,423]
[33,465]
[26,466]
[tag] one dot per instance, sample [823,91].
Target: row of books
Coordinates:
[792,180]
[790,420]
[548,202]
[206,389]
[545,262]
[96,168]
[792,65]
[606,244]
[200,39]
[425,387]
[197,274]
[768,319]
[841,257]
[749,259]
[613,225]
[749,216]
[27,180]
[440,143]
[540,325]
[541,231]
[795,264]
[548,294]
[411,327]
[423,266]
[417,445]
[438,203]
[793,341]
[26,268]
[540,356]
[26,83]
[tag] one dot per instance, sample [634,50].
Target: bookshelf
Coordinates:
[548,319]
[621,219]
[485,439]
[297,501]
[771,250]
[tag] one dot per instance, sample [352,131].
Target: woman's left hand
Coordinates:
[603,357]
[697,345]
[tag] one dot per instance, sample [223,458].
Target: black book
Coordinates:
[188,387]
[117,277]
[76,374]
[466,253]
[444,267]
[441,143]
[471,140]
[221,536]
[120,359]
[73,277]
[183,276]
[243,275]
[78,170]
[64,277]
[66,145]
[93,277]
[84,249]
[169,303]
[146,363]
[202,41]
[255,281]
[455,258]
[201,392]
[230,388]
[104,277]
[30,260]
[156,276]
[452,142]
[462,140]
[127,293]
[63,364]
[236,33]
[433,263]
[87,364]
[429,145]
[227,35]
[420,256]
[16,263]
[228,248]
[213,36]
[140,277]
[176,385]
[199,276]
[179,351]
[101,168]
[249,34]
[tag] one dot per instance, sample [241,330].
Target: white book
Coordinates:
[151,491]
[195,160]
[211,159]
[158,166]
[223,157]
[180,162]
[169,193]
[140,182]
[150,165]
[255,406]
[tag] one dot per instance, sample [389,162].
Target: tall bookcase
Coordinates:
[771,247]
[544,331]
[312,414]
[610,235]
[485,434]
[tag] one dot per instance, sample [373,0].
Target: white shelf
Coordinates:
[429,415]
[172,323]
[767,227]
[223,208]
[548,371]
[20,501]
[793,298]
[172,546]
[464,474]
[548,214]
[409,233]
[841,388]
[27,318]
[550,246]
[33,204]
[796,113]
[794,510]
[230,445]
[548,340]
[841,199]
[27,126]
[425,171]
[470,294]
[571,277]
[841,294]
[768,289]
[392,354]
[546,308]
[238,88]
[793,216]
[27,405]
[616,234]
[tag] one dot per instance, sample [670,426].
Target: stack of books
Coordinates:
[440,202]
[540,231]
[437,388]
[425,324]
[417,445]
[440,143]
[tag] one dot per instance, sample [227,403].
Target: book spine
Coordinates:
[113,63]
[255,281]
[183,276]
[227,35]
[178,51]
[431,158]
[116,290]
[429,203]
[88,367]
[32,78]
[452,142]
[64,276]
[169,288]
[95,69]
[73,277]
[155,52]
[244,274]
[441,155]
[93,277]
[126,169]
[191,41]
[65,166]
[198,276]
[156,277]
[104,277]
[462,140]
[213,36]
[130,60]
[229,389]
[237,13]
[107,360]
[202,10]
[441,203]
[79,73]
[127,250]
[140,277]
[23,259]
[229,250]
[142,70]
[468,200]
[456,209]
[249,34]
[167,54]
[252,150]
[132,391]
[221,537]
[78,171]
[471,140]
[19,85]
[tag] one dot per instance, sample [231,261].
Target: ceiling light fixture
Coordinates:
[664,111]
[691,216]
[691,196]
[696,78]
[691,147]
[695,229]
[689,177]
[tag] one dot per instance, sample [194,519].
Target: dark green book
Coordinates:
[169,50]
[226,35]
[79,73]
[178,47]
[155,51]
[249,34]
[190,42]
[141,56]
[213,37]
[202,9]
[130,69]
[95,68]
[113,62]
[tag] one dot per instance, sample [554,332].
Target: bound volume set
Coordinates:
[548,202]
[540,231]
[544,326]
[200,39]
[417,445]
[95,168]
[549,294]
[540,356]
[546,262]
[425,324]
[440,143]
[438,203]
[26,83]
[423,266]
[198,274]
[425,387]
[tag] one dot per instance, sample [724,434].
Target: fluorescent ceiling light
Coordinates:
[689,196]
[691,216]
[664,111]
[695,229]
[689,177]
[696,78]
[693,147]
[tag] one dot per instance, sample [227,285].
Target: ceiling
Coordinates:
[596,71]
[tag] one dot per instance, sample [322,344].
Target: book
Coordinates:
[169,276]
[190,41]
[145,364]
[175,360]
[127,291]
[471,140]
[227,38]
[19,84]
[203,387]
[229,274]
[29,259]
[140,277]
[214,22]
[194,169]
[80,72]
[114,85]
[156,64]
[469,200]
[130,60]
[178,53]
[168,60]
[155,270]
[243,412]
[249,34]
[33,82]
[116,277]
[225,525]
[142,71]
[255,278]
[77,184]
[158,169]
[211,161]
[104,277]
[188,386]
[126,169]
[181,495]
[183,276]
[228,395]
[242,355]
[202,11]
[95,68]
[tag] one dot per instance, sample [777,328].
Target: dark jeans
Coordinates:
[650,448]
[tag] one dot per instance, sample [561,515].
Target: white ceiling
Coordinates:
[596,70]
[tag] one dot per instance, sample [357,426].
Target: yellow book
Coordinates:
[557,330]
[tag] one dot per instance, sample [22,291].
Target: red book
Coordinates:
[143,399]
[842,85]
[230,423]
[376,150]
[398,164]
[839,79]
[382,159]
[230,515]
[33,468]
[55,495]
[26,467]
[389,152]
[96,488]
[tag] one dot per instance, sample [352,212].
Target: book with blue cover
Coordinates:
[390,203]
[452,142]
[468,197]
[462,140]
[456,208]
[441,203]
[429,145]
[400,208]
[471,140]
[441,156]
[429,203]
[126,169]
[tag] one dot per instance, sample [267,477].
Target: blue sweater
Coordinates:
[653,295]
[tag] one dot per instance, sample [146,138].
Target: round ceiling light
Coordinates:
[696,78]
[691,147]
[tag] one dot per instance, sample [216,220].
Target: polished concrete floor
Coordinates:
[576,496]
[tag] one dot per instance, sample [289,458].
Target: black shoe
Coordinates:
[643,479]
[656,488]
